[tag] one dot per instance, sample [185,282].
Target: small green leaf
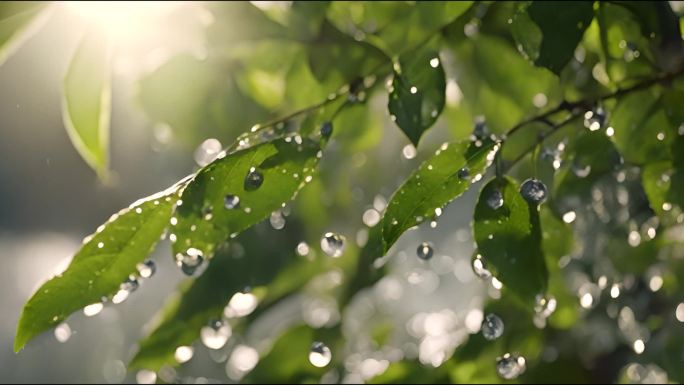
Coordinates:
[99,268]
[548,31]
[509,239]
[18,21]
[418,93]
[86,102]
[205,221]
[434,184]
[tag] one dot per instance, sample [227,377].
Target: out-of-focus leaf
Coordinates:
[656,178]
[306,18]
[104,262]
[19,20]
[509,239]
[205,221]
[239,22]
[549,31]
[642,130]
[436,183]
[357,128]
[417,94]
[86,102]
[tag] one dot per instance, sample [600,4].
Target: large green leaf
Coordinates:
[509,239]
[417,93]
[434,184]
[18,21]
[204,221]
[548,31]
[86,103]
[105,261]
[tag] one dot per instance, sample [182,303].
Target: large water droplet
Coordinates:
[332,244]
[463,173]
[492,327]
[533,191]
[231,201]
[240,305]
[215,334]
[147,269]
[63,332]
[424,251]
[253,180]
[277,220]
[93,309]
[319,355]
[191,261]
[131,284]
[326,129]
[495,199]
[207,152]
[183,354]
[480,267]
[510,366]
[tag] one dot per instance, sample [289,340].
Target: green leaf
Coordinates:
[19,20]
[238,22]
[434,184]
[86,102]
[548,31]
[106,260]
[417,94]
[509,239]
[204,222]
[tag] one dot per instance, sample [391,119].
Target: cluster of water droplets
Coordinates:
[510,366]
[191,262]
[332,244]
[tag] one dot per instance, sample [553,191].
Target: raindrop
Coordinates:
[510,366]
[277,220]
[93,309]
[253,180]
[492,327]
[240,305]
[63,332]
[207,152]
[424,251]
[326,129]
[146,269]
[191,261]
[480,268]
[533,191]
[319,355]
[495,199]
[231,201]
[409,151]
[215,334]
[183,354]
[463,173]
[332,244]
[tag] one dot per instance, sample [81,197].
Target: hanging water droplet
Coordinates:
[131,284]
[332,244]
[240,305]
[191,261]
[326,129]
[510,366]
[277,220]
[409,151]
[146,269]
[63,332]
[319,355]
[183,354]
[231,201]
[302,249]
[463,173]
[253,180]
[207,152]
[371,217]
[492,327]
[215,334]
[479,267]
[533,191]
[424,251]
[93,309]
[495,199]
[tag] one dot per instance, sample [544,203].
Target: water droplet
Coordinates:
[544,306]
[424,251]
[332,244]
[495,199]
[581,172]
[240,305]
[253,180]
[533,191]
[93,309]
[277,220]
[130,284]
[481,131]
[413,90]
[639,346]
[479,267]
[191,261]
[510,366]
[207,152]
[409,151]
[100,245]
[434,62]
[371,217]
[231,201]
[319,355]
[215,334]
[146,269]
[63,332]
[183,354]
[302,249]
[594,120]
[569,217]
[492,327]
[463,173]
[326,129]
[146,377]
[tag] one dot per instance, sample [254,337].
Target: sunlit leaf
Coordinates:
[19,20]
[509,239]
[104,262]
[86,103]
[417,94]
[439,180]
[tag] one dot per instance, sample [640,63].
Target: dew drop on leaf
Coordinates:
[146,269]
[215,334]
[495,199]
[326,129]
[277,220]
[63,332]
[93,309]
[533,191]
[332,244]
[424,251]
[253,180]
[191,261]
[319,355]
[492,327]
[231,201]
[510,366]
[480,267]
[463,173]
[183,354]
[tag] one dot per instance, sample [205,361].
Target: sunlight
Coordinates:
[122,21]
